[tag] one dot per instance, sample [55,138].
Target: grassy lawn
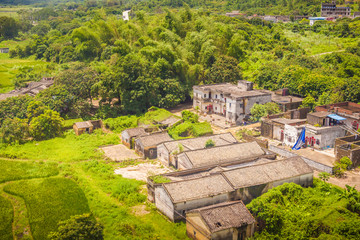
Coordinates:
[62,149]
[6,218]
[49,201]
[16,170]
[315,43]
[112,200]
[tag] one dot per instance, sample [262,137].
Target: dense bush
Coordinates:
[292,212]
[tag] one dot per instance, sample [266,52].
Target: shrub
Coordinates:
[189,116]
[47,125]
[209,143]
[78,227]
[341,166]
[14,130]
[160,179]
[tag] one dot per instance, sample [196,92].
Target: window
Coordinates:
[216,96]
[204,95]
[229,104]
[241,105]
[257,102]
[215,108]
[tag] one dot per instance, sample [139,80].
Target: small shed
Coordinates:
[169,122]
[87,126]
[229,220]
[128,136]
[146,146]
[4,50]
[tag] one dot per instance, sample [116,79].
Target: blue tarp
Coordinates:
[336,117]
[300,141]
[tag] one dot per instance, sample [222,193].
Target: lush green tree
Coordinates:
[14,130]
[35,109]
[261,110]
[47,125]
[8,27]
[309,102]
[78,227]
[225,69]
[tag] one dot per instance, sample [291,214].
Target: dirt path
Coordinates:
[352,178]
[316,55]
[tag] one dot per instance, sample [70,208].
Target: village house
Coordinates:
[229,220]
[246,152]
[152,181]
[169,122]
[175,199]
[32,89]
[331,10]
[348,110]
[348,146]
[232,101]
[87,126]
[284,100]
[4,50]
[167,150]
[128,136]
[146,146]
[233,14]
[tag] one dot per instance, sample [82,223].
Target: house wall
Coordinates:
[291,134]
[312,120]
[163,154]
[223,234]
[247,194]
[163,202]
[150,152]
[325,138]
[266,129]
[183,162]
[79,131]
[277,132]
[139,149]
[125,139]
[193,231]
[183,207]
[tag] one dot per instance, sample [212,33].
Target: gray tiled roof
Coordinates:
[134,132]
[268,172]
[225,215]
[198,188]
[223,154]
[154,139]
[86,124]
[199,142]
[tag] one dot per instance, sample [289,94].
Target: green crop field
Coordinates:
[6,217]
[65,149]
[49,201]
[16,170]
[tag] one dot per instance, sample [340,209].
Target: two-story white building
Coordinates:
[230,100]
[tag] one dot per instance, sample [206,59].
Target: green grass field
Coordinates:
[16,170]
[6,218]
[49,201]
[13,10]
[118,212]
[68,148]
